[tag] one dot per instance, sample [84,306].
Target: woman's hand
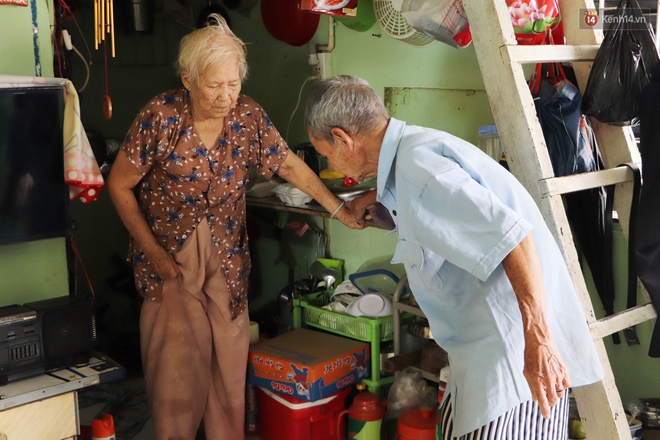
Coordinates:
[124,176]
[165,265]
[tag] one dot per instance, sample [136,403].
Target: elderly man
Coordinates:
[480,260]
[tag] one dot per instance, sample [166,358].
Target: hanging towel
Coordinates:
[81,171]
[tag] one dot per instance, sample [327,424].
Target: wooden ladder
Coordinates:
[501,62]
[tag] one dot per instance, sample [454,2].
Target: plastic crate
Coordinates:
[308,310]
[360,328]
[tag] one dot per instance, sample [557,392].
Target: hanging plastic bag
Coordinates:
[590,215]
[442,20]
[558,108]
[573,149]
[622,68]
[647,236]
[531,20]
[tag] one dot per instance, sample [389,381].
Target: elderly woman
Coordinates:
[179,184]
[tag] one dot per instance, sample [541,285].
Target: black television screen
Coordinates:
[34,199]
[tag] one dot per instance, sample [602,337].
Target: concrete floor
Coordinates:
[147,433]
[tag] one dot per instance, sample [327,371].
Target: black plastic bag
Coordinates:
[573,149]
[622,68]
[647,236]
[558,107]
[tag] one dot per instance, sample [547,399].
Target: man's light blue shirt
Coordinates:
[458,213]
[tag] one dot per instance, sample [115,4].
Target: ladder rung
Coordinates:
[549,53]
[577,182]
[622,320]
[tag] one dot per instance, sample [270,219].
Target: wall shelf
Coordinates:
[312,208]
[275,204]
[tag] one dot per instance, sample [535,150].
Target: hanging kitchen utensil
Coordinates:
[364,20]
[286,22]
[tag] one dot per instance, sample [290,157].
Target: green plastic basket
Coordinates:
[308,309]
[355,327]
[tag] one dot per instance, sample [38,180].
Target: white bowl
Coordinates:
[371,305]
[291,195]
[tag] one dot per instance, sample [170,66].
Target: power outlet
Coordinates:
[323,68]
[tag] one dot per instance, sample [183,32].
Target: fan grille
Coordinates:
[396,26]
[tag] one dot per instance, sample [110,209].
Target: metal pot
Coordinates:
[650,416]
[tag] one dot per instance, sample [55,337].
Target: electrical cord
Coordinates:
[82,265]
[286,138]
[68,12]
[89,52]
[86,68]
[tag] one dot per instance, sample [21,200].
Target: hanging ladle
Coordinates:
[107,107]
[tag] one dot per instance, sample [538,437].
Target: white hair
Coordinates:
[213,44]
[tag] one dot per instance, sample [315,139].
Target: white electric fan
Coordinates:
[388,15]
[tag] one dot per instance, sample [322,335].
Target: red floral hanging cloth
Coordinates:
[81,170]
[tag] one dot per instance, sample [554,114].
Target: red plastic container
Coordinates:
[417,424]
[283,417]
[103,428]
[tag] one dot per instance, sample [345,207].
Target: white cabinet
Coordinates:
[54,418]
[45,407]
